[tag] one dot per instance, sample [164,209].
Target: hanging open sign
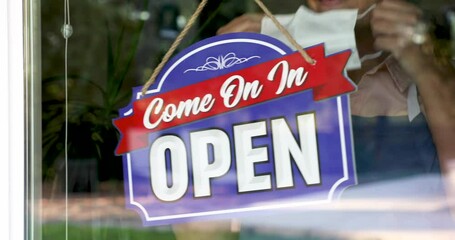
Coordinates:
[234,124]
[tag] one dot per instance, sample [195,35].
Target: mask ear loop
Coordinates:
[366,12]
[375,55]
[371,56]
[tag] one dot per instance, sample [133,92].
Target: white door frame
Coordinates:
[12,121]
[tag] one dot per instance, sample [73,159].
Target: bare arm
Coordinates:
[392,24]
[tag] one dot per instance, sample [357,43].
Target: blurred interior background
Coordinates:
[115,46]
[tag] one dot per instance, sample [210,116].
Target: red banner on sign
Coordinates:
[257,84]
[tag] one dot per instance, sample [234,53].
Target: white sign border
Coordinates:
[246,209]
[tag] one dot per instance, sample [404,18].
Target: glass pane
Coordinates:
[402,130]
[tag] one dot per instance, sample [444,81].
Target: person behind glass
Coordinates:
[393,137]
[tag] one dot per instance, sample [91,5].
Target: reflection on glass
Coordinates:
[115,46]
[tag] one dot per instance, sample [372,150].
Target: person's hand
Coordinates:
[250,22]
[395,26]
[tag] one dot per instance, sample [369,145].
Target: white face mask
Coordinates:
[333,28]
